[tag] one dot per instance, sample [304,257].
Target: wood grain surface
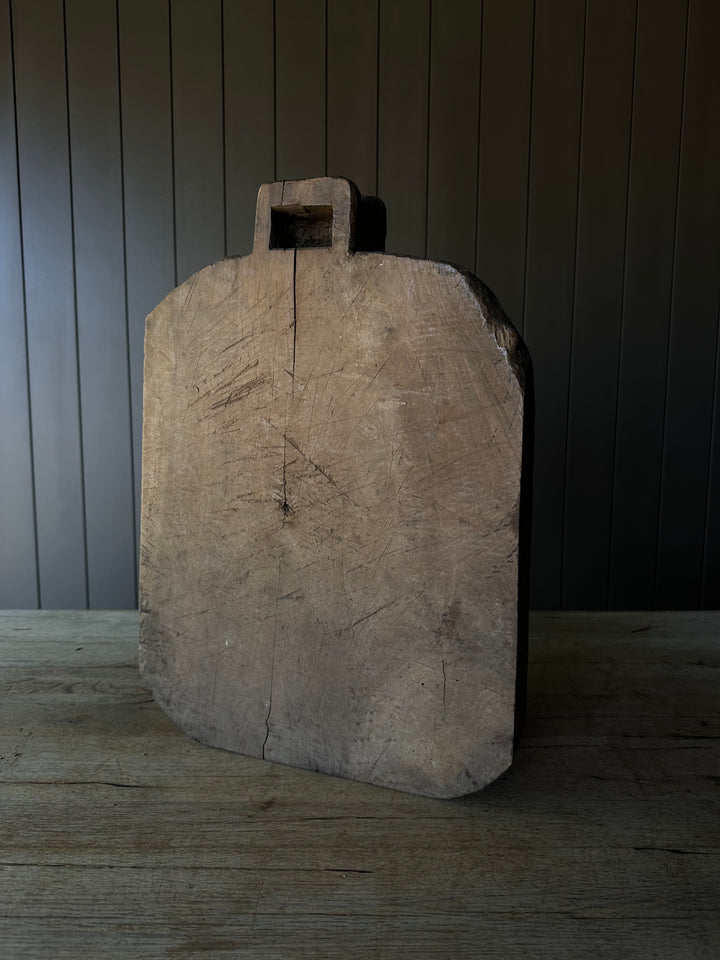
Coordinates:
[332,460]
[120,837]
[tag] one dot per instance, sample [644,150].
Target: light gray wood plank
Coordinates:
[145,103]
[248,43]
[403,122]
[95,145]
[122,837]
[456,40]
[197,110]
[47,234]
[18,561]
[352,65]
[51,626]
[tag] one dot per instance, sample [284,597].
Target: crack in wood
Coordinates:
[694,853]
[444,690]
[285,506]
[80,783]
[294,296]
[272,665]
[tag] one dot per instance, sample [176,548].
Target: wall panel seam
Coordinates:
[172,143]
[711,457]
[427,124]
[125,294]
[224,119]
[377,103]
[25,320]
[75,315]
[623,287]
[523,316]
[573,306]
[325,107]
[275,127]
[671,299]
[477,152]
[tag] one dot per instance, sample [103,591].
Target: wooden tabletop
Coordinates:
[121,837]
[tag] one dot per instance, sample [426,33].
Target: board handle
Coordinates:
[325,212]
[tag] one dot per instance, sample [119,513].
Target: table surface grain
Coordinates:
[121,837]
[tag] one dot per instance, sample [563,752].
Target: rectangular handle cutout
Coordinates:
[301,226]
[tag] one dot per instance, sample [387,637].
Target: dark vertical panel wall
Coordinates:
[248,55]
[550,270]
[693,326]
[651,228]
[504,139]
[18,561]
[403,74]
[49,270]
[597,307]
[352,89]
[566,151]
[710,595]
[300,89]
[199,163]
[456,42]
[94,112]
[147,179]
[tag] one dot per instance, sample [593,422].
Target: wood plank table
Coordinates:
[120,837]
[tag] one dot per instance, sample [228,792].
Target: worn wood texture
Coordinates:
[120,837]
[332,463]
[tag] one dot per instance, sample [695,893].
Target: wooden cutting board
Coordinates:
[332,454]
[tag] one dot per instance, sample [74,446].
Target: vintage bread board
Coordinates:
[332,458]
